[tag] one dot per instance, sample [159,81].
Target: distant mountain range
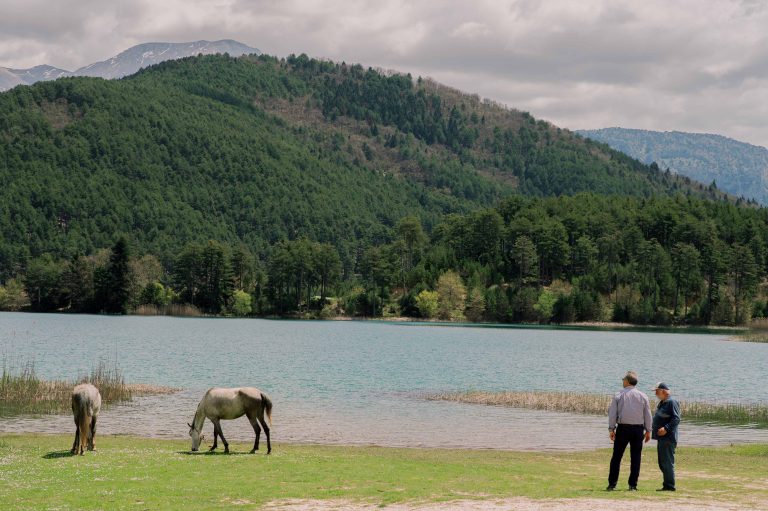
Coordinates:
[738,168]
[126,62]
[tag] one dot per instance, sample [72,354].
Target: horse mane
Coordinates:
[199,415]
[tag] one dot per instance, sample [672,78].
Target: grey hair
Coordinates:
[631,377]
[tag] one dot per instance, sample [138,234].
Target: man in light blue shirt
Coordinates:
[629,420]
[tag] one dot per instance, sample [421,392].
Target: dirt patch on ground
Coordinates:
[515,504]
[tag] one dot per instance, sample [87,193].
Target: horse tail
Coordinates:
[267,407]
[81,409]
[85,426]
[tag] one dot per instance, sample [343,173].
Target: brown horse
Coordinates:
[86,403]
[226,404]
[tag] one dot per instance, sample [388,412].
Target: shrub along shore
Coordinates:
[597,404]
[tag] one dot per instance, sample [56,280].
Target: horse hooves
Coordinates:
[226,450]
[252,451]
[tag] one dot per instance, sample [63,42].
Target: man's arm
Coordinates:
[673,407]
[674,413]
[647,419]
[613,410]
[612,417]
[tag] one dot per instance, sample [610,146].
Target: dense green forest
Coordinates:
[256,150]
[663,260]
[305,187]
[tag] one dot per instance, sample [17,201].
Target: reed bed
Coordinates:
[752,337]
[754,414]
[758,331]
[22,391]
[173,309]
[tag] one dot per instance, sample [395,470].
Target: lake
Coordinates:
[359,382]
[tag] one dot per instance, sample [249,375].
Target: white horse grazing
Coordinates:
[227,404]
[86,403]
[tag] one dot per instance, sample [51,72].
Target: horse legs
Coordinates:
[77,437]
[217,431]
[256,430]
[266,432]
[92,435]
[223,440]
[215,435]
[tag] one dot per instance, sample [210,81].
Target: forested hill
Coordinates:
[254,150]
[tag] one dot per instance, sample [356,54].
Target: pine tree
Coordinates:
[117,279]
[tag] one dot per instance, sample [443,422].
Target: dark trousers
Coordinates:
[632,435]
[666,452]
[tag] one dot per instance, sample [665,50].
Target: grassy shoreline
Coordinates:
[129,472]
[23,392]
[596,404]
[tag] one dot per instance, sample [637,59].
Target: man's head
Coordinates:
[662,391]
[630,379]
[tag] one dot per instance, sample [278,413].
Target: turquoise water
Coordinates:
[357,382]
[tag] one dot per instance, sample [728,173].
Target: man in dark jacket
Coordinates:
[665,423]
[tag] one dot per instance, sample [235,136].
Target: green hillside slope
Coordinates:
[255,150]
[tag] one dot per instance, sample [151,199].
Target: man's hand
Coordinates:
[661,432]
[612,435]
[647,436]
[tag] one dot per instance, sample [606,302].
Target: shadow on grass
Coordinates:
[58,454]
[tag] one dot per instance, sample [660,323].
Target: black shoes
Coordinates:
[633,488]
[610,488]
[666,489]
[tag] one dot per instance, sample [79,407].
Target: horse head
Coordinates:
[197,437]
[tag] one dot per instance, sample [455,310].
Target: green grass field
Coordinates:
[37,472]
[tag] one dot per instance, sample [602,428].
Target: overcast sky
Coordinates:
[690,65]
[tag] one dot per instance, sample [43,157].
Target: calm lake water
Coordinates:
[358,382]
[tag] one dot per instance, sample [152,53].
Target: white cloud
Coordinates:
[693,65]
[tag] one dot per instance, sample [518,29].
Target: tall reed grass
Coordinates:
[758,331]
[22,391]
[173,309]
[755,414]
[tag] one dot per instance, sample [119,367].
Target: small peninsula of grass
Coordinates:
[597,404]
[141,473]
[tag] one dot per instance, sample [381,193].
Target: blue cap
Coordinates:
[661,386]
